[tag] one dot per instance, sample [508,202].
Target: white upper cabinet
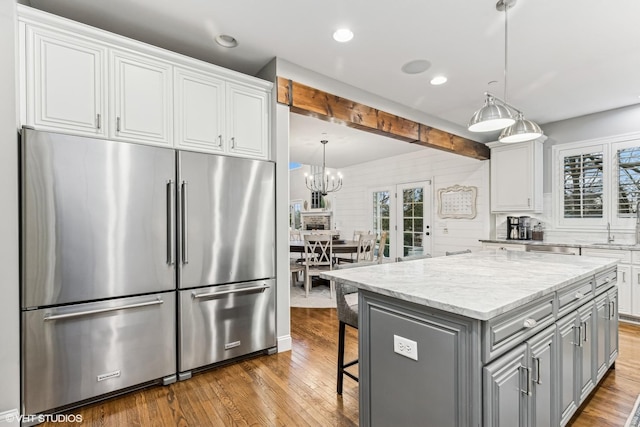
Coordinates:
[141,99]
[65,84]
[516,177]
[199,111]
[247,121]
[85,81]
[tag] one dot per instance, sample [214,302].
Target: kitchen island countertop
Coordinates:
[479,285]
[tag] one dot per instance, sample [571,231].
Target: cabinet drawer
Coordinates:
[569,299]
[508,330]
[606,279]
[504,246]
[623,256]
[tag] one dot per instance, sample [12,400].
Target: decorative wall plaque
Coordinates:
[457,202]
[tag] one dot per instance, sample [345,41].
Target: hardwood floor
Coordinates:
[297,388]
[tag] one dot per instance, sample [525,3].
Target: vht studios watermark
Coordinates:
[45,418]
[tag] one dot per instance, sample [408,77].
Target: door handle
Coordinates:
[118,124]
[527,375]
[98,121]
[537,365]
[612,310]
[171,232]
[586,331]
[577,341]
[185,212]
[233,142]
[220,140]
[48,317]
[251,289]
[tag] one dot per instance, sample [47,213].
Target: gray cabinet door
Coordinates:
[568,345]
[613,324]
[602,331]
[588,347]
[542,357]
[506,384]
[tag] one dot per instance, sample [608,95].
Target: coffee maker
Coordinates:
[524,228]
[513,231]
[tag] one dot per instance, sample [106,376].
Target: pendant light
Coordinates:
[497,113]
[323,183]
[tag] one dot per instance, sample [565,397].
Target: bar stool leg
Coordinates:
[341,333]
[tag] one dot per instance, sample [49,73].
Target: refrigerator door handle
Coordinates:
[260,288]
[171,220]
[48,317]
[185,211]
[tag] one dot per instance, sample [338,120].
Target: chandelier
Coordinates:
[496,113]
[323,182]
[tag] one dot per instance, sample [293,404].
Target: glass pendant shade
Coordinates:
[521,130]
[490,117]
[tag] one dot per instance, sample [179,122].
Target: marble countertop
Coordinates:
[618,246]
[480,285]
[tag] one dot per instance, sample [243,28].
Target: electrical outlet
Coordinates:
[405,347]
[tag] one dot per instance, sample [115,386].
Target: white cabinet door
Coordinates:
[247,121]
[516,177]
[624,288]
[199,111]
[141,101]
[65,82]
[635,291]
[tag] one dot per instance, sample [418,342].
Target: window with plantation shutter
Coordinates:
[628,165]
[583,185]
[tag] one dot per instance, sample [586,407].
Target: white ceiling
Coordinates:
[567,58]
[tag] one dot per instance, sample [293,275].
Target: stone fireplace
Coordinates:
[316,220]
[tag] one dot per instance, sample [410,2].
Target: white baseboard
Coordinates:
[10,417]
[284,343]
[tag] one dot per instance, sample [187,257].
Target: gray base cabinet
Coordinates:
[532,366]
[518,387]
[440,386]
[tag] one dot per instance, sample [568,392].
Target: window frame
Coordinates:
[609,147]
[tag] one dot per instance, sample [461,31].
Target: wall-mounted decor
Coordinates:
[457,202]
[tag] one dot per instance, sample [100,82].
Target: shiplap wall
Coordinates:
[352,204]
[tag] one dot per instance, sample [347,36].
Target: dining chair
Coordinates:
[449,253]
[318,251]
[366,246]
[383,241]
[357,233]
[295,268]
[295,236]
[413,257]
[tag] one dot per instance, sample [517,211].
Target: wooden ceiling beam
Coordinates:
[309,101]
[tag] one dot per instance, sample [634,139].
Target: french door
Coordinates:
[404,211]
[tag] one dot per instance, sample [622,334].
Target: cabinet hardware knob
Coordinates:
[579,295]
[98,121]
[219,140]
[118,124]
[529,323]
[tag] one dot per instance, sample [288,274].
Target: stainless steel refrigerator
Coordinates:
[226,258]
[108,231]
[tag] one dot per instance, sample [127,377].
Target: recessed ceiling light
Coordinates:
[438,80]
[227,41]
[343,35]
[416,67]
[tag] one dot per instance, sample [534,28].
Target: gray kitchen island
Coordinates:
[492,338]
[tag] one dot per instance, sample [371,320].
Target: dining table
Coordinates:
[338,246]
